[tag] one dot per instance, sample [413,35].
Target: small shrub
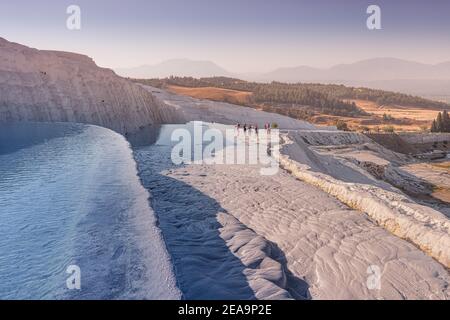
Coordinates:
[364,129]
[341,125]
[389,129]
[387,117]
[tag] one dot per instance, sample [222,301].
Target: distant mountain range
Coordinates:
[366,70]
[175,67]
[430,81]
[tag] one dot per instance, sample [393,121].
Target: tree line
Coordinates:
[328,96]
[298,100]
[441,123]
[380,97]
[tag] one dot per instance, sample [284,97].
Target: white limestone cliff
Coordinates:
[38,85]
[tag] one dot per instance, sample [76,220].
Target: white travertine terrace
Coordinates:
[319,242]
[425,227]
[38,85]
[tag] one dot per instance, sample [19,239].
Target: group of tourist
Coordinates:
[249,129]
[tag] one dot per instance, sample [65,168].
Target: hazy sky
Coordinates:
[239,35]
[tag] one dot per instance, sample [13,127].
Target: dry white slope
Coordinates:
[425,227]
[38,85]
[225,113]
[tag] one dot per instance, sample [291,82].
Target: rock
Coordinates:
[423,226]
[51,86]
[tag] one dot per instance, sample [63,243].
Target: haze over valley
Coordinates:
[391,74]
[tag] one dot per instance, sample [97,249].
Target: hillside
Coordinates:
[214,94]
[38,85]
[387,74]
[380,97]
[299,99]
[429,81]
[325,91]
[318,103]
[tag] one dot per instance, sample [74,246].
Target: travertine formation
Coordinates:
[37,85]
[275,237]
[323,243]
[428,229]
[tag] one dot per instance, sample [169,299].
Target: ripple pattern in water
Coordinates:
[69,194]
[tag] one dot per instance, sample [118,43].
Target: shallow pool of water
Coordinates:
[70,195]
